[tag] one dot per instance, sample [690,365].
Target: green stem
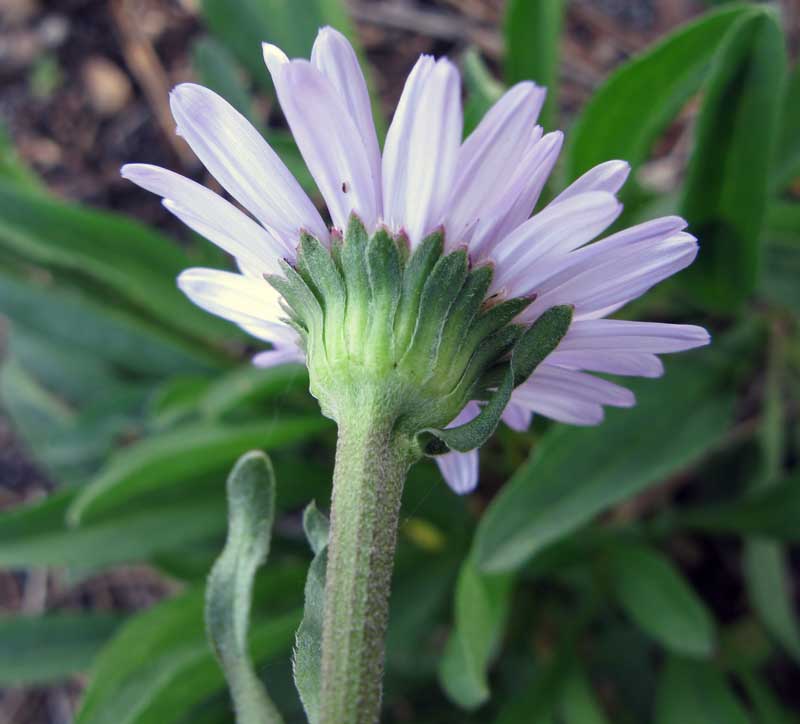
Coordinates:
[371,465]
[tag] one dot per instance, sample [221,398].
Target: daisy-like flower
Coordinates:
[432,305]
[480,192]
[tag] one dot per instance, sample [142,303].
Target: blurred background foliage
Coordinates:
[640,571]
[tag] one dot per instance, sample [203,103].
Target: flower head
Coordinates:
[429,197]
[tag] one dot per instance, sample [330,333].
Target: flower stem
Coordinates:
[371,465]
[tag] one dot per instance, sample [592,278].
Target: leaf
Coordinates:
[768,575]
[307,660]
[69,443]
[36,535]
[159,667]
[229,590]
[41,649]
[579,704]
[533,36]
[79,378]
[422,586]
[778,282]
[68,406]
[244,25]
[783,221]
[12,168]
[217,69]
[781,271]
[771,514]
[483,89]
[537,703]
[638,101]
[694,693]
[765,565]
[787,156]
[108,332]
[481,609]
[656,596]
[122,257]
[728,179]
[676,420]
[764,702]
[185,453]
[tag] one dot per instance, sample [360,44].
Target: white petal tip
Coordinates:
[274,57]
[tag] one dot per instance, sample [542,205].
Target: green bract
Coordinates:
[413,333]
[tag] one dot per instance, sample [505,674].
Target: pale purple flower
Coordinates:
[482,191]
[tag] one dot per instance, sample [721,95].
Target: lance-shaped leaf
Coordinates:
[251,510]
[481,608]
[308,643]
[104,252]
[39,649]
[533,37]
[159,668]
[626,115]
[728,181]
[579,703]
[538,341]
[658,599]
[772,514]
[676,420]
[483,90]
[149,466]
[36,535]
[693,693]
[787,156]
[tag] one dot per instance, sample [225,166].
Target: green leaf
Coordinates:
[771,514]
[79,378]
[41,649]
[765,705]
[768,576]
[765,565]
[316,527]
[787,158]
[538,702]
[12,168]
[693,693]
[152,464]
[728,179]
[533,37]
[242,26]
[217,69]
[124,258]
[159,667]
[638,101]
[229,590]
[483,89]
[36,535]
[579,703]
[107,332]
[481,608]
[70,443]
[308,641]
[575,473]
[656,596]
[783,221]
[250,384]
[781,271]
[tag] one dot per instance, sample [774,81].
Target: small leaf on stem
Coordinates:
[251,510]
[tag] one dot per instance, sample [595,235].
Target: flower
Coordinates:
[481,192]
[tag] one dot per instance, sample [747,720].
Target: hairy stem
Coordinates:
[371,465]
